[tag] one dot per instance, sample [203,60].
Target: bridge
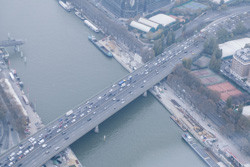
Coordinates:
[11,42]
[63,131]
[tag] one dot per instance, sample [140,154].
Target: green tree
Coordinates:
[170,37]
[158,46]
[239,29]
[229,102]
[223,35]
[215,64]
[187,62]
[209,46]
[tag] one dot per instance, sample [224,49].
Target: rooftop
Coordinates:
[140,26]
[162,19]
[243,55]
[148,22]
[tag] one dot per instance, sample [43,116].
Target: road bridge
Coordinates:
[63,131]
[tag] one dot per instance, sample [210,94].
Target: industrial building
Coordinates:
[131,8]
[162,19]
[149,23]
[241,63]
[141,27]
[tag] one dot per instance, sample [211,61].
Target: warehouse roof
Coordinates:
[162,19]
[148,22]
[140,26]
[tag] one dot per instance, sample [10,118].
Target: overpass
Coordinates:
[63,131]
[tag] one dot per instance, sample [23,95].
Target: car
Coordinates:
[26,152]
[123,102]
[12,154]
[142,86]
[89,119]
[88,111]
[44,145]
[66,138]
[73,121]
[100,97]
[144,81]
[20,165]
[63,133]
[74,116]
[21,146]
[57,148]
[82,115]
[114,99]
[41,141]
[34,142]
[11,158]
[31,148]
[19,152]
[46,152]
[94,112]
[65,126]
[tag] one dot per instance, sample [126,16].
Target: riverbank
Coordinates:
[187,115]
[34,121]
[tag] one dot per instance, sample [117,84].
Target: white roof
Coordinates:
[148,23]
[230,47]
[162,19]
[246,111]
[140,26]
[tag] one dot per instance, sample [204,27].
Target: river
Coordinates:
[63,69]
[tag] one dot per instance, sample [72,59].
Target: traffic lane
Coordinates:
[98,115]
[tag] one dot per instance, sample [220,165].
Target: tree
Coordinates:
[229,102]
[222,2]
[187,62]
[223,35]
[209,46]
[239,29]
[159,46]
[215,64]
[170,37]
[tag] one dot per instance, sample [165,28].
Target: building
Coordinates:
[149,23]
[131,8]
[241,63]
[141,27]
[162,19]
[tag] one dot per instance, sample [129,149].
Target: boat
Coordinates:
[200,150]
[179,123]
[65,6]
[93,40]
[91,26]
[3,53]
[79,14]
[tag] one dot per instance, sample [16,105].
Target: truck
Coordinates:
[69,113]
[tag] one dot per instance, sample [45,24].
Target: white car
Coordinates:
[19,152]
[82,115]
[31,148]
[57,148]
[73,121]
[41,141]
[59,130]
[44,145]
[26,152]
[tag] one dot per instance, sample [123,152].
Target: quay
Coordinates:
[68,157]
[197,147]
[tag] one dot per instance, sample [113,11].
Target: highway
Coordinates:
[66,129]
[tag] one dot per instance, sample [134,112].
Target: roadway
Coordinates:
[63,131]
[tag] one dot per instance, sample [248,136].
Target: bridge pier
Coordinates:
[17,48]
[97,129]
[145,94]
